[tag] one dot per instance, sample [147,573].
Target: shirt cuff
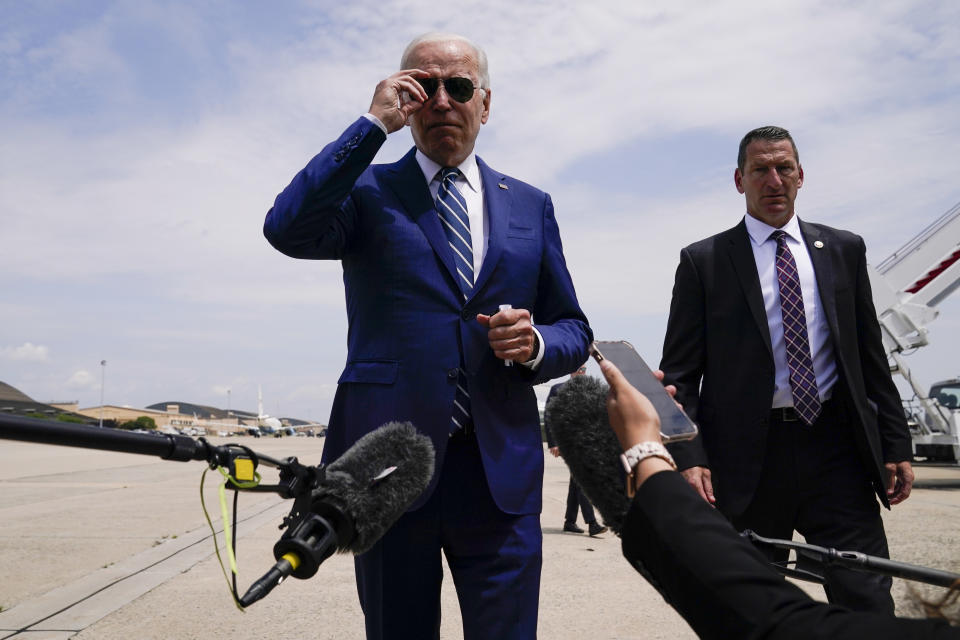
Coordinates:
[534,364]
[375,120]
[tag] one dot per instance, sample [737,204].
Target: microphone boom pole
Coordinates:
[814,557]
[162,445]
[346,505]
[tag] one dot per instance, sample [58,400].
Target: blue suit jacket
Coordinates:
[409,327]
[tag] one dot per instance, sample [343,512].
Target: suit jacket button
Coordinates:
[452,374]
[467,315]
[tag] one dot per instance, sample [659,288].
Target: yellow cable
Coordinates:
[223,509]
[216,547]
[225,516]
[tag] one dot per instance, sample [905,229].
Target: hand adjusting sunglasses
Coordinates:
[460,89]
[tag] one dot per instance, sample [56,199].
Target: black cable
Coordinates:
[233,535]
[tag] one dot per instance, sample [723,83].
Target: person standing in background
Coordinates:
[774,346]
[575,497]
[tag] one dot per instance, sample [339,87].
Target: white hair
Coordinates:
[439,36]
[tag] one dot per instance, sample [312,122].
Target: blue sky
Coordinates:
[143,142]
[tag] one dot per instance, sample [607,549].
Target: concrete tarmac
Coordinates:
[101,545]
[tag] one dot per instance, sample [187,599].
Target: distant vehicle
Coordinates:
[947,393]
[934,422]
[253,431]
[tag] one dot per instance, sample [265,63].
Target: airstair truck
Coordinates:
[907,290]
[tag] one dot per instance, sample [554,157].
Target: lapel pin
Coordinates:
[502,186]
[818,244]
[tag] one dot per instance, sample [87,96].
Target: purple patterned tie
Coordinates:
[803,382]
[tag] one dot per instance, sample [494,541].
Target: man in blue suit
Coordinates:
[434,248]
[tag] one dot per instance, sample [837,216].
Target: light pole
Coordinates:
[228,401]
[103,378]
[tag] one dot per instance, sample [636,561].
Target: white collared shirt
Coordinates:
[818,333]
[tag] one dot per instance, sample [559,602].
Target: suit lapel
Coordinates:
[499,203]
[823,270]
[406,179]
[741,254]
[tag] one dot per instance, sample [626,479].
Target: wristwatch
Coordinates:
[641,451]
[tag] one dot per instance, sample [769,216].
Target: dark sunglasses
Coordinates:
[460,89]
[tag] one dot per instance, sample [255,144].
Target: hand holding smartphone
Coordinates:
[675,425]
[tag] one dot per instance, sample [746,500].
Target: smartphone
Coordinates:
[675,425]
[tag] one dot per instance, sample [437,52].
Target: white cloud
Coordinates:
[81,380]
[132,215]
[27,352]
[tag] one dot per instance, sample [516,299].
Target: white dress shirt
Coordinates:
[818,333]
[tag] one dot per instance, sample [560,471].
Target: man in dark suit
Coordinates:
[434,247]
[774,347]
[575,497]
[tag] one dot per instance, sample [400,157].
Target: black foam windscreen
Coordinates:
[577,416]
[361,484]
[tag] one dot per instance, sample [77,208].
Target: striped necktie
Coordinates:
[803,381]
[452,208]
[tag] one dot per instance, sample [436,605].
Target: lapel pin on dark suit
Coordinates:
[502,186]
[818,244]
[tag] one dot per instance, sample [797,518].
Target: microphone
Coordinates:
[355,499]
[577,415]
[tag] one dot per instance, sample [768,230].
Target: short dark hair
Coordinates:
[765,133]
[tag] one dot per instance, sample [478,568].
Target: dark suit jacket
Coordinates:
[724,588]
[717,333]
[409,327]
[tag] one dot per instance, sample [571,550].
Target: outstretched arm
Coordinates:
[714,578]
